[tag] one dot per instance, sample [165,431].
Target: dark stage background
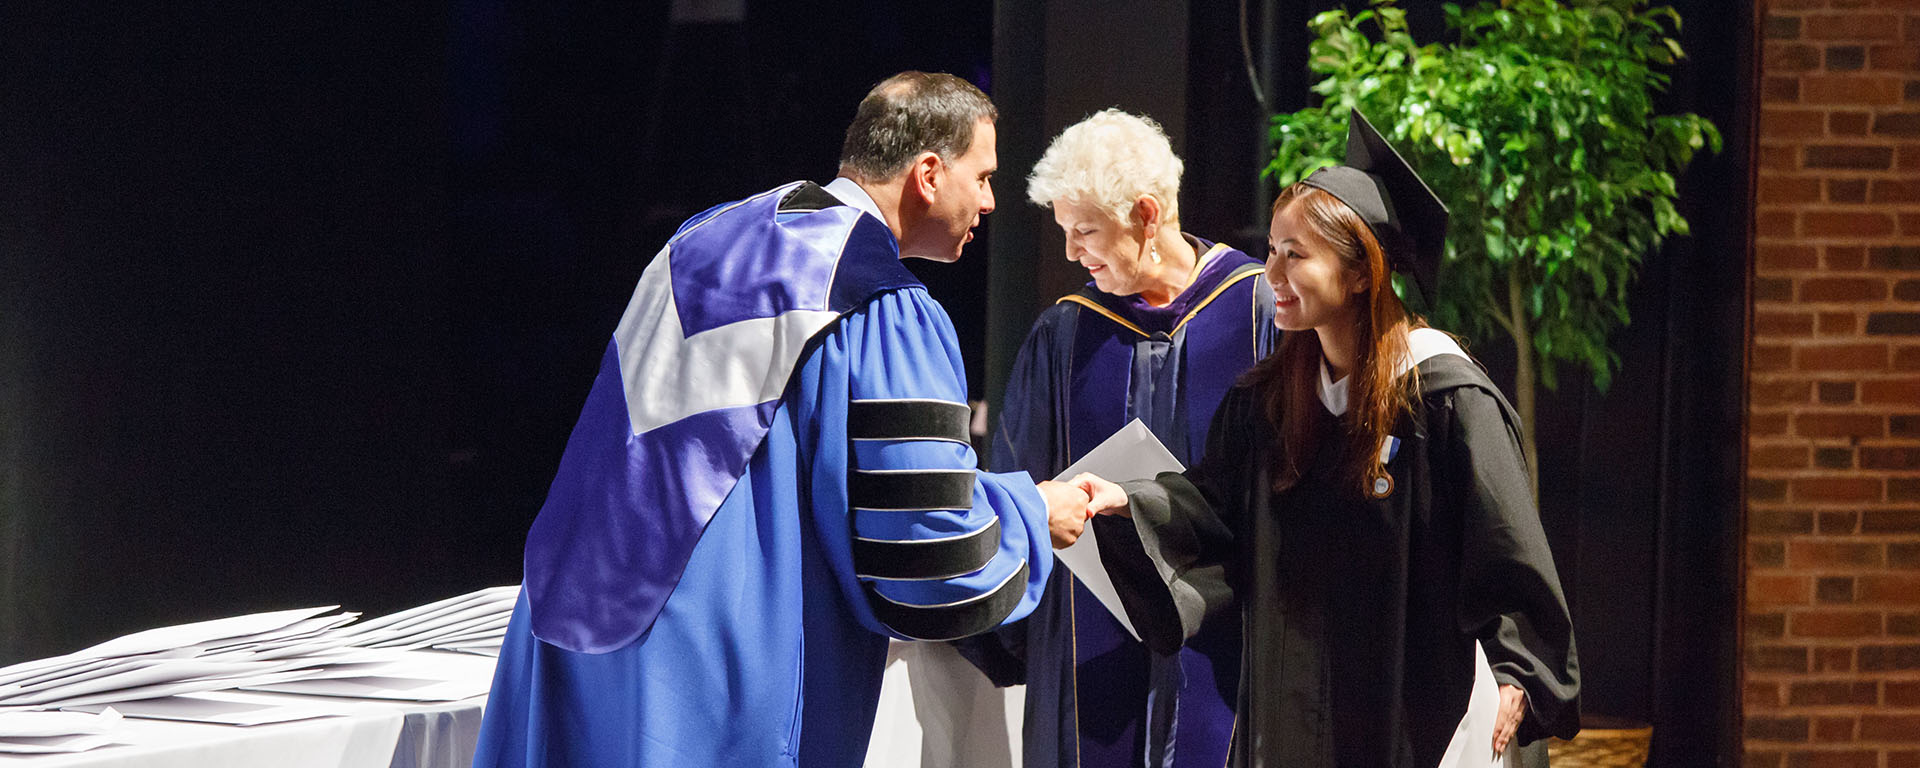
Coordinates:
[298,304]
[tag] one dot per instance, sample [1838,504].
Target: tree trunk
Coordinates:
[1523,376]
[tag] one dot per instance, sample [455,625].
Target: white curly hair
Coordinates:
[1108,161]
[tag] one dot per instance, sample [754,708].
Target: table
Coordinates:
[363,733]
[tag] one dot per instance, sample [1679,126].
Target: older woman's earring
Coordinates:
[1153,252]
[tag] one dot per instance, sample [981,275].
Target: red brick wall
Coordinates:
[1832,657]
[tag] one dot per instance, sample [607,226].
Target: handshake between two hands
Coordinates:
[1071,504]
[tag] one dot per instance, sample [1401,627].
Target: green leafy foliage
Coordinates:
[1538,130]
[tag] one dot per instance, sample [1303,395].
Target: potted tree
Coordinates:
[1537,126]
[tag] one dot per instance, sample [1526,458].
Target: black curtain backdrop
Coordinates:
[298,304]
[228,343]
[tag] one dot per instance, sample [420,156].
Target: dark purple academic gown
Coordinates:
[1092,363]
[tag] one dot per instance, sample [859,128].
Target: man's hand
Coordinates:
[1104,498]
[1513,706]
[1066,512]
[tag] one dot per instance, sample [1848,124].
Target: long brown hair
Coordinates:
[1380,394]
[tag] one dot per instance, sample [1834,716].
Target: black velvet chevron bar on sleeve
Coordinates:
[926,559]
[908,420]
[954,620]
[910,489]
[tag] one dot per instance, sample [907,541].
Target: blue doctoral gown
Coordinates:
[1092,363]
[714,577]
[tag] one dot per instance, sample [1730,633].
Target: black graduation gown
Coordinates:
[1359,614]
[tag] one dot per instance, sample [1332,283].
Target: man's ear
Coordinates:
[924,176]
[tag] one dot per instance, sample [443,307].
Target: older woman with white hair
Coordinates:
[1166,324]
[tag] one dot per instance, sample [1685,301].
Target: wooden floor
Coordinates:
[1602,748]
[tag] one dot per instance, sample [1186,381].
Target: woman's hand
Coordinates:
[1513,706]
[1105,498]
[1066,512]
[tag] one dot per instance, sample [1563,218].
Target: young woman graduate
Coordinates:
[1364,504]
[1161,331]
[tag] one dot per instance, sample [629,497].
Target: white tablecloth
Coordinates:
[365,734]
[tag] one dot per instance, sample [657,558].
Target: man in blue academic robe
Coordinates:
[772,476]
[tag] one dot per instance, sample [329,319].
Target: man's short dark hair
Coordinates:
[910,113]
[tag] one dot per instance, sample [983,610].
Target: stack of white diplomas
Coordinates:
[201,672]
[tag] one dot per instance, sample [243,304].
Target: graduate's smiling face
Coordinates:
[1312,286]
[1112,251]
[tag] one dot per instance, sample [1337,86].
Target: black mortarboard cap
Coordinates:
[1406,217]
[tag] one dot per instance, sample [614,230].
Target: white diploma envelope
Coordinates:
[1132,453]
[1472,744]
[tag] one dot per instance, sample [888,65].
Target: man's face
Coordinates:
[964,193]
